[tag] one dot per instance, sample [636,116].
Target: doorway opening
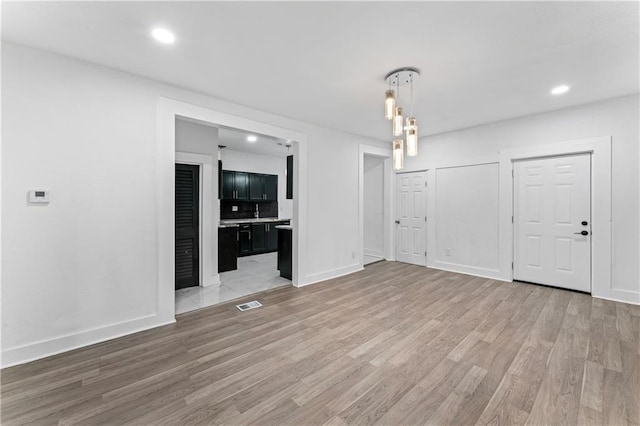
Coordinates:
[373,199]
[250,187]
[375,205]
[552,221]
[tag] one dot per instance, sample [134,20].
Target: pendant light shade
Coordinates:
[412,142]
[398,122]
[412,137]
[398,154]
[389,104]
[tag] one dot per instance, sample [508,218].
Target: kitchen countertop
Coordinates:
[228,222]
[287,227]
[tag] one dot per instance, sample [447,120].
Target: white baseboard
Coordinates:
[327,275]
[45,348]
[624,296]
[493,274]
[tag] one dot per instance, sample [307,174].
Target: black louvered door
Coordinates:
[187,225]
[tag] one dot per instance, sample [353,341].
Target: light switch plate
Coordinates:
[234,208]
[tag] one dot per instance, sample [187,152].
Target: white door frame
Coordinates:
[168,111]
[389,185]
[600,149]
[427,211]
[208,275]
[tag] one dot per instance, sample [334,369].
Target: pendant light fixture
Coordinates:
[389,104]
[398,122]
[393,111]
[398,154]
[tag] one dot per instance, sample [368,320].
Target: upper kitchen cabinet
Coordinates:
[271,187]
[263,187]
[235,185]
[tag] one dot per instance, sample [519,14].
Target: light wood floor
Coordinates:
[394,344]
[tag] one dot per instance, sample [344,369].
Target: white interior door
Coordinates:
[552,221]
[411,194]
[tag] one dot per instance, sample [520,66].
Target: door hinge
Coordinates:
[425,254]
[512,266]
[425,183]
[425,218]
[512,219]
[512,173]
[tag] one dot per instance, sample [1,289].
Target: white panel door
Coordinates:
[552,221]
[411,194]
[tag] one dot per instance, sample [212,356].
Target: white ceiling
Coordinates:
[236,140]
[324,62]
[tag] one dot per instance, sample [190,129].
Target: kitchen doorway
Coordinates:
[253,197]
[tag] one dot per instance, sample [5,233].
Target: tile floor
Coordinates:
[254,274]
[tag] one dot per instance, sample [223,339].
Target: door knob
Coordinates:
[582,233]
[585,223]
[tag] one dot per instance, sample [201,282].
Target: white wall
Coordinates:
[85,268]
[467,206]
[197,138]
[617,118]
[255,163]
[373,200]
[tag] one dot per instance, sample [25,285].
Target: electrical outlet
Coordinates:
[448,252]
[353,254]
[234,208]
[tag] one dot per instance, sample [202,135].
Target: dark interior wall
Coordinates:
[246,209]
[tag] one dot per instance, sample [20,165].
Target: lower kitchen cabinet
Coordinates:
[244,247]
[285,253]
[228,249]
[258,238]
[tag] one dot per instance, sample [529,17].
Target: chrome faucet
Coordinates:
[256,214]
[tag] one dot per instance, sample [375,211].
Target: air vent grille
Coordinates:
[249,305]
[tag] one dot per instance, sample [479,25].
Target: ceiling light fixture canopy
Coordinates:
[394,112]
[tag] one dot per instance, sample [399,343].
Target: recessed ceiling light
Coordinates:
[163,36]
[560,90]
[251,138]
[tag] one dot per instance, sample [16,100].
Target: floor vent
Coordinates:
[249,305]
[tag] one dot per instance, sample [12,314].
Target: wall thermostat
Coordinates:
[37,196]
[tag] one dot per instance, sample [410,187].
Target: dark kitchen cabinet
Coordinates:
[220,179]
[271,187]
[228,248]
[256,187]
[289,177]
[272,237]
[235,185]
[263,187]
[285,253]
[244,243]
[258,237]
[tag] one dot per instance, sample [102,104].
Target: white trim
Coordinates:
[600,148]
[624,296]
[46,348]
[389,185]
[208,261]
[334,273]
[373,253]
[493,274]
[466,269]
[168,111]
